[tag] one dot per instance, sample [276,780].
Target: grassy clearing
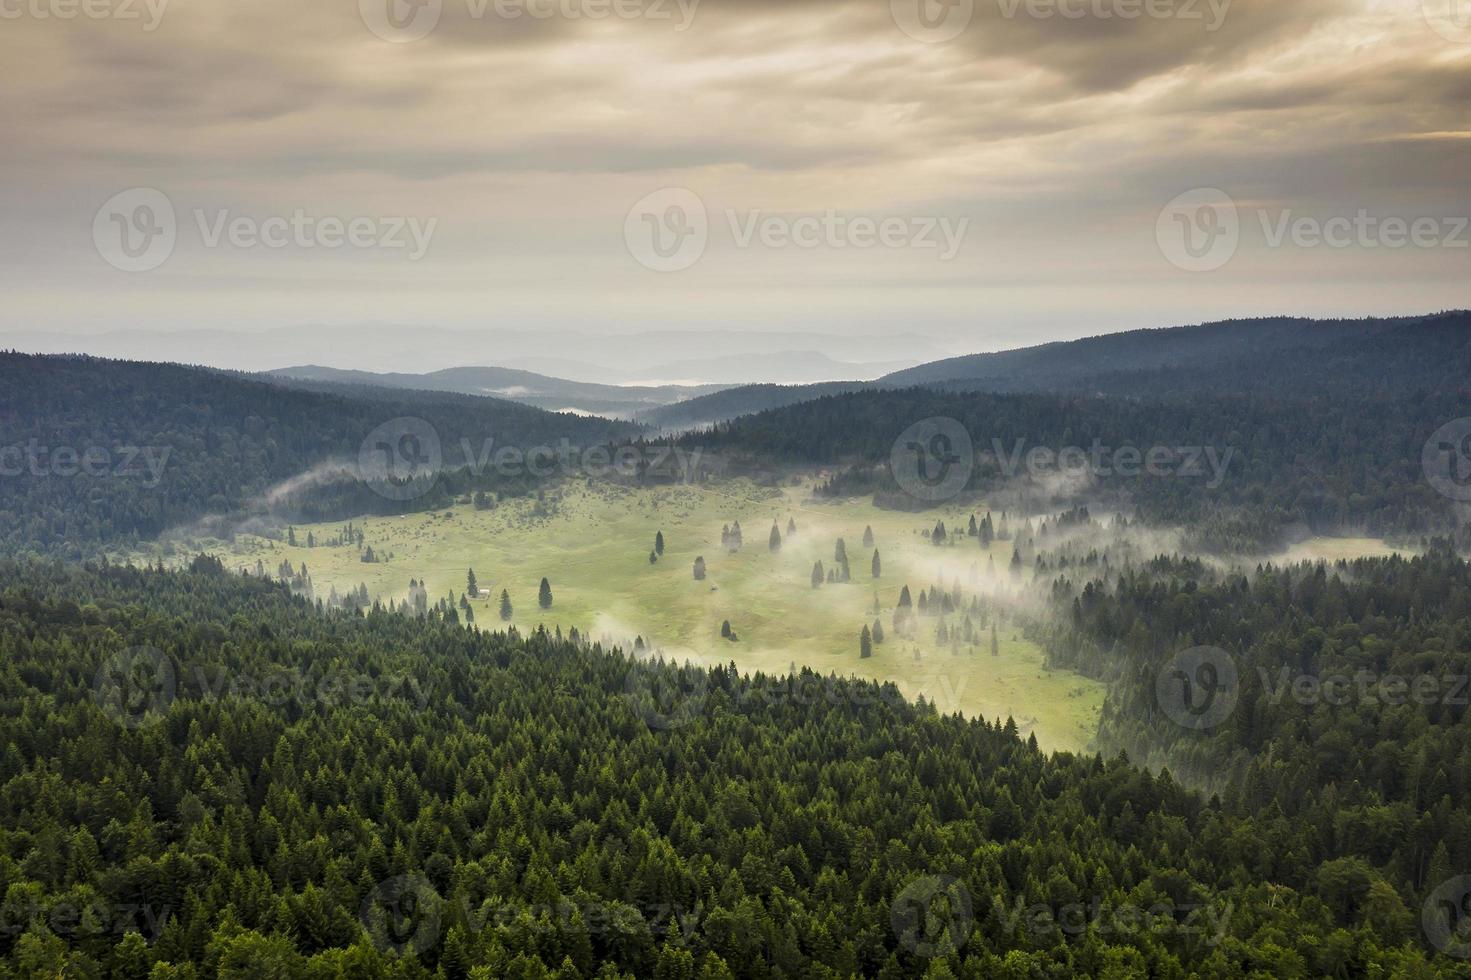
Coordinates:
[593,543]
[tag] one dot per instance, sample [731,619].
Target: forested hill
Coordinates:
[1207,355]
[95,450]
[232,783]
[1331,463]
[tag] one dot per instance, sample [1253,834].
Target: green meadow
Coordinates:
[593,543]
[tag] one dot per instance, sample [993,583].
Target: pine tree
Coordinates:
[291,536]
[818,576]
[774,543]
[878,631]
[653,557]
[544,598]
[700,569]
[791,527]
[659,543]
[471,586]
[840,552]
[725,631]
[506,611]
[865,644]
[868,537]
[878,566]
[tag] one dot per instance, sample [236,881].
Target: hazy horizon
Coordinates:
[994,174]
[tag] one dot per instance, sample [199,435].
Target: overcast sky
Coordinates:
[988,172]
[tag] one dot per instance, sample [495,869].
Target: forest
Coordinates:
[204,776]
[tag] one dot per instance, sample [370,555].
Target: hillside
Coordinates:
[100,451]
[524,387]
[417,800]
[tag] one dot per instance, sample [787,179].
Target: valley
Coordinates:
[593,544]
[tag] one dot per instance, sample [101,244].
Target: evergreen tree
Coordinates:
[544,597]
[791,526]
[995,645]
[877,565]
[774,543]
[506,611]
[471,586]
[659,543]
[878,631]
[865,644]
[818,575]
[868,537]
[700,569]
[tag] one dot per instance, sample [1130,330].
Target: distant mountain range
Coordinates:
[1282,353]
[526,387]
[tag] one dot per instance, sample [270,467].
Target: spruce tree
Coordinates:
[774,542]
[506,612]
[659,543]
[865,644]
[818,576]
[700,569]
[544,598]
[878,566]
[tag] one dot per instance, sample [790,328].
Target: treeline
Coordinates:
[1330,698]
[96,452]
[426,800]
[1328,464]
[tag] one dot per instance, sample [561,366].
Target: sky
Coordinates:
[980,174]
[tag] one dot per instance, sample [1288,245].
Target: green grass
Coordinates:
[1333,549]
[593,543]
